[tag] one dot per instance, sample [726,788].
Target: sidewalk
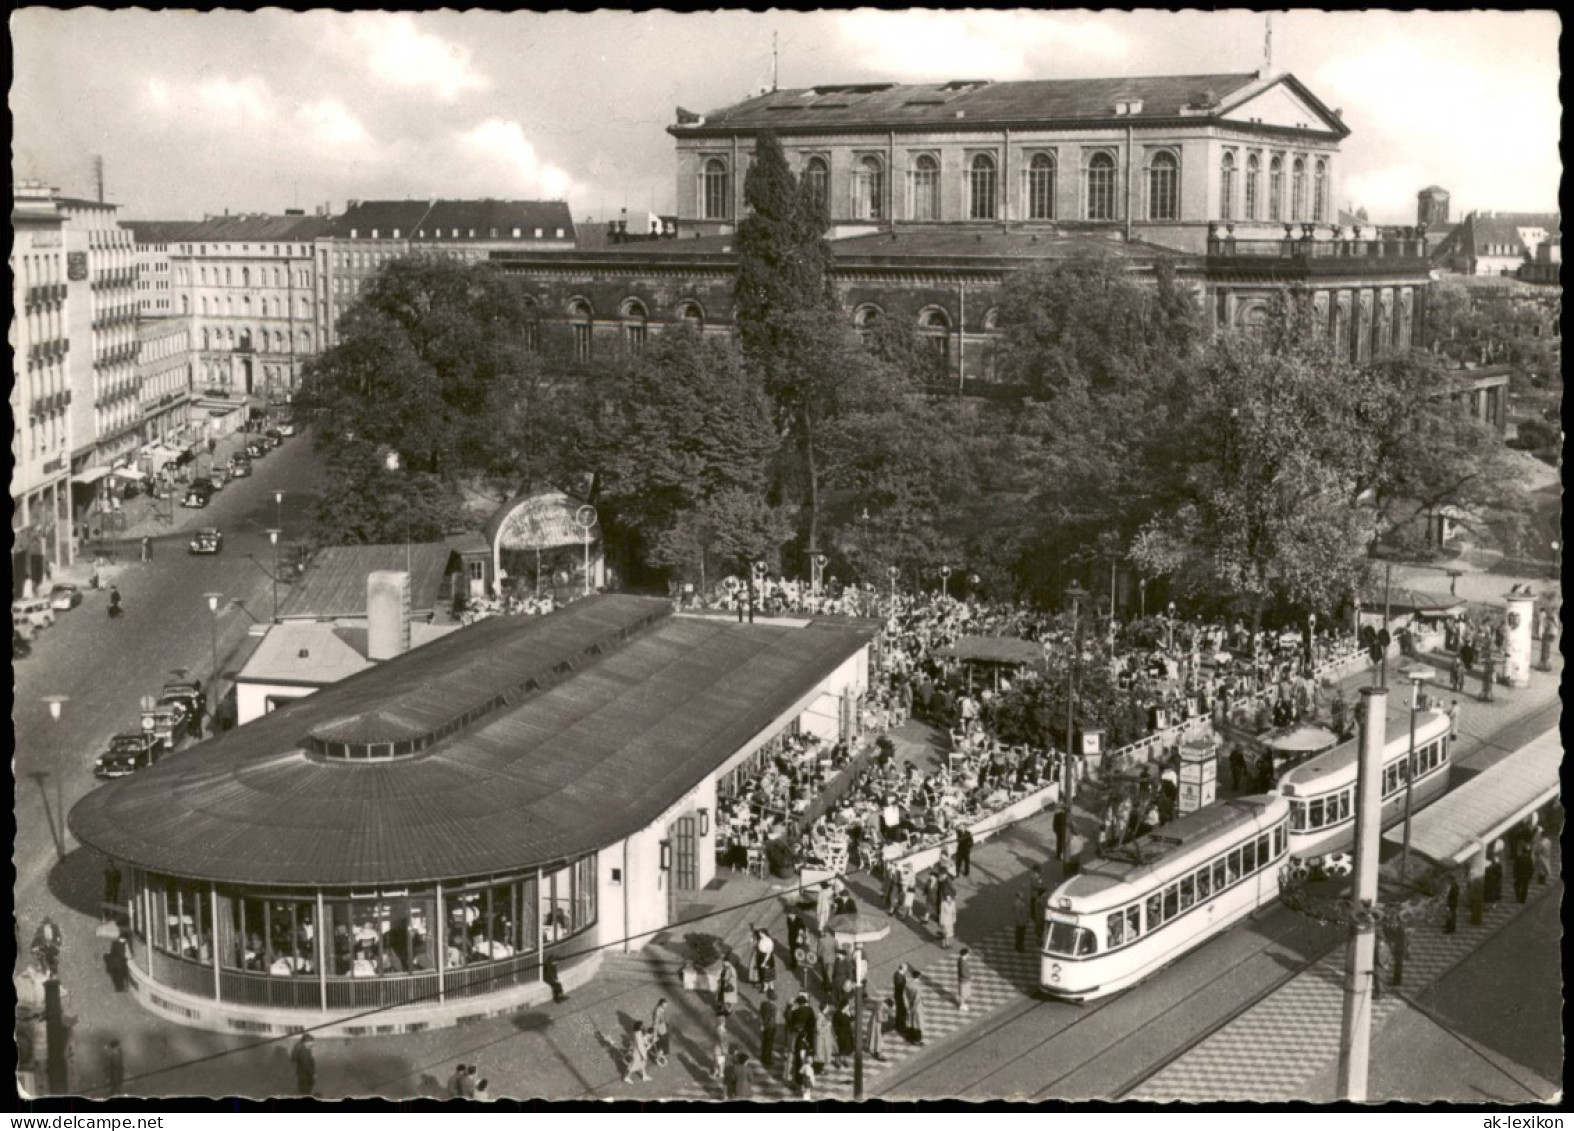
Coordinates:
[149,517]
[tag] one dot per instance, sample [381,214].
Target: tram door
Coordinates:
[685,862]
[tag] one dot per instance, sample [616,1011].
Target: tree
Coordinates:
[369,502]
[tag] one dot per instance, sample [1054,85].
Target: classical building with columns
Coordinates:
[937,192]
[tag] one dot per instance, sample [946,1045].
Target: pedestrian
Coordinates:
[456,1083]
[1399,946]
[743,1077]
[1492,878]
[841,984]
[803,1069]
[118,961]
[964,979]
[899,997]
[915,1008]
[1456,674]
[729,1078]
[1467,657]
[145,544]
[471,1082]
[47,941]
[638,1050]
[1452,901]
[1036,904]
[822,907]
[549,976]
[825,959]
[845,1033]
[1544,853]
[726,988]
[964,851]
[1023,920]
[874,1039]
[1382,960]
[114,1067]
[660,1032]
[305,1062]
[947,920]
[768,1028]
[112,888]
[907,890]
[824,1038]
[721,1050]
[1524,871]
[1488,675]
[1237,768]
[764,958]
[483,1092]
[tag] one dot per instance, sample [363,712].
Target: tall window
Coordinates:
[713,190]
[1298,190]
[817,179]
[1227,187]
[926,188]
[1041,187]
[1320,192]
[1253,169]
[1276,188]
[634,316]
[1163,187]
[981,188]
[865,319]
[1101,187]
[579,317]
[934,329]
[868,188]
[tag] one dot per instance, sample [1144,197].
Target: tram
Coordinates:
[1321,790]
[1145,904]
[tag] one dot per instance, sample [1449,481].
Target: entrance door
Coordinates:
[684,834]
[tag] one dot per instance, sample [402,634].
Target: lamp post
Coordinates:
[817,563]
[56,702]
[1417,676]
[1063,848]
[213,600]
[757,572]
[1311,642]
[1142,598]
[278,509]
[1170,628]
[892,572]
[945,582]
[273,537]
[585,516]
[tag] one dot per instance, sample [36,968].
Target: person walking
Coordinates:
[822,907]
[743,1077]
[305,1062]
[1452,901]
[1382,961]
[660,1032]
[899,996]
[824,1038]
[114,1067]
[471,1082]
[915,1008]
[1237,768]
[1036,905]
[1524,871]
[874,1038]
[721,1050]
[768,1028]
[964,979]
[964,851]
[947,919]
[638,1049]
[118,961]
[803,1068]
[1024,919]
[764,958]
[456,1083]
[825,960]
[1399,946]
[726,988]
[549,976]
[844,1032]
[1488,675]
[1456,674]
[1492,878]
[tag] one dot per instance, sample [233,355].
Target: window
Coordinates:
[1041,187]
[1163,187]
[634,316]
[1314,818]
[1262,851]
[1320,192]
[926,188]
[934,328]
[1069,940]
[1253,168]
[1248,857]
[1171,901]
[1204,885]
[981,191]
[817,180]
[713,190]
[868,188]
[1278,840]
[1298,190]
[1275,188]
[865,319]
[1227,187]
[579,314]
[1188,893]
[1101,187]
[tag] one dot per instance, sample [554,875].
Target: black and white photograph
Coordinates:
[786,557]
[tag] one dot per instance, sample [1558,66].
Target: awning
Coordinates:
[128,473]
[90,475]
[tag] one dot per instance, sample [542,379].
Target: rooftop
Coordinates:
[263,228]
[334,584]
[563,734]
[317,653]
[1124,864]
[439,219]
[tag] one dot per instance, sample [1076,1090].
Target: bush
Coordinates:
[778,858]
[1537,434]
[704,950]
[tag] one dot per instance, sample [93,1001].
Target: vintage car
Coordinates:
[128,753]
[287,427]
[256,449]
[64,596]
[34,612]
[196,499]
[273,437]
[207,541]
[240,467]
[187,701]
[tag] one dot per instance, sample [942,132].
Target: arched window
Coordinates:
[1276,188]
[1041,187]
[714,197]
[1298,190]
[634,317]
[1163,187]
[245,276]
[865,319]
[868,188]
[1253,169]
[579,315]
[690,314]
[205,344]
[817,179]
[1101,187]
[981,191]
[926,188]
[1227,187]
[934,328]
[185,304]
[1320,192]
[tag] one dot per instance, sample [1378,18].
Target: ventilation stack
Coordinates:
[387,614]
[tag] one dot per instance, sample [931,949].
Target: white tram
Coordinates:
[1147,903]
[1321,790]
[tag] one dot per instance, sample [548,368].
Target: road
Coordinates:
[105,667]
[1050,1050]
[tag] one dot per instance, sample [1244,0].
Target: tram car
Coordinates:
[1145,904]
[1321,791]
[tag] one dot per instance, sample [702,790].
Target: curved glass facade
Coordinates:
[340,948]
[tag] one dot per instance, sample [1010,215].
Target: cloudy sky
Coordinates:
[198,112]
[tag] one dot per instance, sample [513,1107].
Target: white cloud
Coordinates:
[992,45]
[245,102]
[499,148]
[158,94]
[330,123]
[401,54]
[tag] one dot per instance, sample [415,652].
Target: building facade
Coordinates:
[1496,243]
[166,376]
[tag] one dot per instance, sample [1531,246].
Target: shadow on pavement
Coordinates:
[78,881]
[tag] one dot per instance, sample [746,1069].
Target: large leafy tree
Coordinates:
[370,500]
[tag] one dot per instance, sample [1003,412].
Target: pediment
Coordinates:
[1279,105]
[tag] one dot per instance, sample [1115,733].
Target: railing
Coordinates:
[488,977]
[300,991]
[370,993]
[181,974]
[1302,247]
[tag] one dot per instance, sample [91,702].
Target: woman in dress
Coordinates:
[947,920]
[660,1033]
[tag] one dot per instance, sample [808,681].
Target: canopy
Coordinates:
[128,473]
[1301,740]
[90,475]
[1401,600]
[859,927]
[995,650]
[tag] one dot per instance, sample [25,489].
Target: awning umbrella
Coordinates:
[859,927]
[127,473]
[1301,740]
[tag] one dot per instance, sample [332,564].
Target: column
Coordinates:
[322,957]
[213,912]
[1519,645]
[541,925]
[437,937]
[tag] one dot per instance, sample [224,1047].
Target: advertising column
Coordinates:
[1518,644]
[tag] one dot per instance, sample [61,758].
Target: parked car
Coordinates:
[256,449]
[21,646]
[64,596]
[195,499]
[202,483]
[273,437]
[219,476]
[128,753]
[35,612]
[188,703]
[240,467]
[287,428]
[207,541]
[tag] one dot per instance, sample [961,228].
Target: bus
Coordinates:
[1145,904]
[1321,790]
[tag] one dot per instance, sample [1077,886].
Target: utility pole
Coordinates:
[1355,1045]
[775,64]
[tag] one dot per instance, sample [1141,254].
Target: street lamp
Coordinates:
[585,516]
[757,572]
[1063,842]
[278,509]
[1171,627]
[1417,676]
[273,537]
[213,600]
[945,581]
[1142,598]
[892,572]
[56,702]
[817,563]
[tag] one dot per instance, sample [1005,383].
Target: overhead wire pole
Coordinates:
[1356,1029]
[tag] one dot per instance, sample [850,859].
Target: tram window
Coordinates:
[1188,893]
[1219,871]
[1262,851]
[1278,841]
[1070,939]
[1115,929]
[1232,868]
[1248,857]
[1155,910]
[1204,885]
[1133,921]
[1297,816]
[1315,817]
[1171,907]
[1344,806]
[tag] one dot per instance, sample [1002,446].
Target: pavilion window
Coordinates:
[1320,192]
[1041,187]
[1298,190]
[817,180]
[713,190]
[1227,187]
[1164,187]
[1253,169]
[1101,187]
[981,188]
[1276,188]
[868,189]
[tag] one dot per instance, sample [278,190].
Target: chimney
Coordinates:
[387,614]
